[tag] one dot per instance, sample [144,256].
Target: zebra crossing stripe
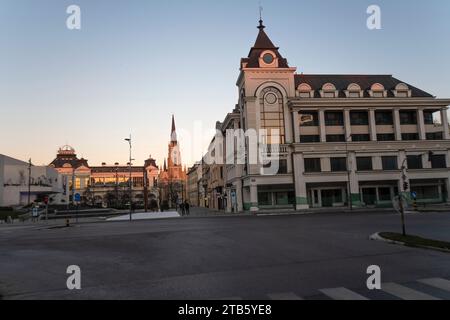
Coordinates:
[284,296]
[342,294]
[405,293]
[437,283]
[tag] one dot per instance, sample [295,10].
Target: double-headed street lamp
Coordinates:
[130,180]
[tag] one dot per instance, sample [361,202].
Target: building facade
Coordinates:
[345,140]
[105,185]
[22,183]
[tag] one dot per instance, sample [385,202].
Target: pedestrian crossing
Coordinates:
[423,289]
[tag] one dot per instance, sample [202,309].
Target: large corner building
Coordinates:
[361,131]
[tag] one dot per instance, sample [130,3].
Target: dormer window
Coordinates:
[329,91]
[268,59]
[402,91]
[354,91]
[305,91]
[377,91]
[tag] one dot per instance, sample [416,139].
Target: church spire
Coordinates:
[173,134]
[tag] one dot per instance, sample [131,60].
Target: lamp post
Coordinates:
[29,182]
[130,181]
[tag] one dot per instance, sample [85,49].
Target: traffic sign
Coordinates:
[414,195]
[77,197]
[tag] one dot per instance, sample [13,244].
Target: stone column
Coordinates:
[300,185]
[323,130]
[254,197]
[444,117]
[239,200]
[372,125]
[397,125]
[296,130]
[354,183]
[348,125]
[421,125]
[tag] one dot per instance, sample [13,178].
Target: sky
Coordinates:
[134,63]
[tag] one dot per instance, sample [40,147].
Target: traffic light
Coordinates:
[405,186]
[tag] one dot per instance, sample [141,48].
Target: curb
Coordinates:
[378,237]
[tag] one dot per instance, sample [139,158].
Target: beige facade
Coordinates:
[105,185]
[346,140]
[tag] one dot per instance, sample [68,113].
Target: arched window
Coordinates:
[272,115]
[354,91]
[377,91]
[305,91]
[329,91]
[402,91]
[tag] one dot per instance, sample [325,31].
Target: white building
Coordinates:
[361,131]
[16,182]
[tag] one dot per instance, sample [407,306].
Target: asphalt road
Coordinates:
[221,258]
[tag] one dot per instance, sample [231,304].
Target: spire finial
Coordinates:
[261,25]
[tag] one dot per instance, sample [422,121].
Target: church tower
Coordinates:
[175,167]
[173,176]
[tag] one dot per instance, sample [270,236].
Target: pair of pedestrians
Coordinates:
[184,208]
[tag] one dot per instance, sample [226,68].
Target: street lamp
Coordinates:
[130,181]
[29,182]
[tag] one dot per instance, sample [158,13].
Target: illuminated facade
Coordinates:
[345,140]
[105,185]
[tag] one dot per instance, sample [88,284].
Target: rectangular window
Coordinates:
[283,167]
[386,137]
[264,198]
[428,117]
[338,164]
[383,118]
[314,115]
[410,136]
[309,139]
[335,138]
[360,137]
[282,198]
[359,118]
[389,163]
[384,194]
[364,164]
[426,192]
[438,162]
[414,162]
[408,117]
[312,165]
[334,118]
[435,136]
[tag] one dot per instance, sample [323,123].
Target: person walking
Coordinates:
[186,207]
[182,209]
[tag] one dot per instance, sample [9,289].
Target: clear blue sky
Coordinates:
[136,62]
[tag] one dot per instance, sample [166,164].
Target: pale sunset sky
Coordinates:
[134,63]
